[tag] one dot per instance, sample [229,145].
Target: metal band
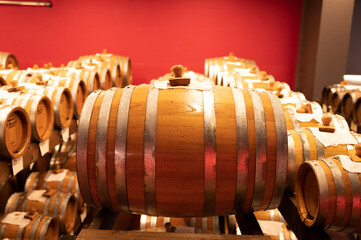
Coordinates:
[216,224]
[6,110]
[340,196]
[35,227]
[150,129]
[23,205]
[143,222]
[261,150]
[63,207]
[60,184]
[8,203]
[56,204]
[153,222]
[59,92]
[20,233]
[47,205]
[120,146]
[356,199]
[320,149]
[296,124]
[323,192]
[2,230]
[44,228]
[82,149]
[204,224]
[101,148]
[242,149]
[15,205]
[291,165]
[45,178]
[125,70]
[272,215]
[282,149]
[305,145]
[71,182]
[27,183]
[210,154]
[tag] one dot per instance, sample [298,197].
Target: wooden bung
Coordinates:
[103,132]
[178,79]
[326,124]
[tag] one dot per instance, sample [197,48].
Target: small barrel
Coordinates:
[64,160]
[15,131]
[6,190]
[269,215]
[65,182]
[184,225]
[6,59]
[328,195]
[77,88]
[336,101]
[348,103]
[49,203]
[40,111]
[304,146]
[62,100]
[19,76]
[146,173]
[357,111]
[16,225]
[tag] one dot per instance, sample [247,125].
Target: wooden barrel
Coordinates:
[6,59]
[78,89]
[303,146]
[15,131]
[269,215]
[40,111]
[65,182]
[328,196]
[145,165]
[16,226]
[64,160]
[348,103]
[62,101]
[184,225]
[91,78]
[49,203]
[19,76]
[337,98]
[356,114]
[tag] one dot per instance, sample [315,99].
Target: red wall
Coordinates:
[157,34]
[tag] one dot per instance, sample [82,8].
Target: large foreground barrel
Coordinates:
[182,152]
[17,225]
[55,204]
[329,196]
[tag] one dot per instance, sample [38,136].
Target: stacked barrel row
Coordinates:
[344,99]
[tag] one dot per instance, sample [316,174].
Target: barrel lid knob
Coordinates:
[253,70]
[326,119]
[177,78]
[358,149]
[36,66]
[262,74]
[177,70]
[46,66]
[14,86]
[31,214]
[78,65]
[326,125]
[344,82]
[49,192]
[50,64]
[105,51]
[13,83]
[62,65]
[57,169]
[279,91]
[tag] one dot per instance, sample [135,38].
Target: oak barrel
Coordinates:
[6,59]
[15,131]
[328,195]
[348,104]
[303,146]
[39,227]
[49,203]
[62,181]
[39,109]
[269,215]
[62,101]
[135,164]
